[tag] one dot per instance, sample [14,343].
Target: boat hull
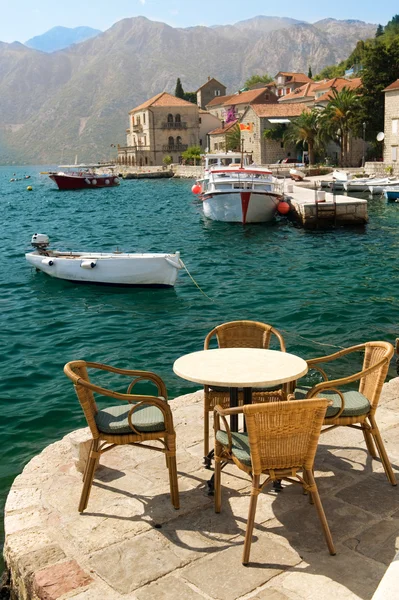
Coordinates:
[230,206]
[111,269]
[66,181]
[392,195]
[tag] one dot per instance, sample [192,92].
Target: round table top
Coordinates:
[240,367]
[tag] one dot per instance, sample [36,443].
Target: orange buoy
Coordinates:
[196,189]
[283,208]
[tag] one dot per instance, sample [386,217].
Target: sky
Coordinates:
[23,19]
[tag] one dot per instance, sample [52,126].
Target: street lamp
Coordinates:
[364,145]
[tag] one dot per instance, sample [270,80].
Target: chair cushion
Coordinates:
[239,446]
[356,404]
[114,419]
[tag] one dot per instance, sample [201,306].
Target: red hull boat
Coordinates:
[83,179]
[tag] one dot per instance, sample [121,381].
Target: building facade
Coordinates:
[162,126]
[391,124]
[210,90]
[287,82]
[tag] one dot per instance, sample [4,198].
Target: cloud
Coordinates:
[142,2]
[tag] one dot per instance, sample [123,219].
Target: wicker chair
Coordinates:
[281,440]
[238,334]
[356,408]
[142,419]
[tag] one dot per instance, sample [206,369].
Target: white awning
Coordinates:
[279,120]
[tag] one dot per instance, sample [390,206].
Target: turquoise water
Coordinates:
[338,287]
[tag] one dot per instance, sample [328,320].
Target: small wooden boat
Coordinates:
[113,268]
[297,175]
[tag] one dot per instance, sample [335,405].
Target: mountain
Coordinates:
[59,38]
[76,101]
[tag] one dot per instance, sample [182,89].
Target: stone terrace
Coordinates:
[131,543]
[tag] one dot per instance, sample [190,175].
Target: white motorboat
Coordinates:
[113,268]
[382,185]
[341,175]
[362,184]
[236,192]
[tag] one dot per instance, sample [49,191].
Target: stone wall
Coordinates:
[391,139]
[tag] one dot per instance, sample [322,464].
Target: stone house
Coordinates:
[210,90]
[286,82]
[391,124]
[227,108]
[217,137]
[162,126]
[259,117]
[319,92]
[207,122]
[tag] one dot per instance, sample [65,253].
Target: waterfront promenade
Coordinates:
[131,543]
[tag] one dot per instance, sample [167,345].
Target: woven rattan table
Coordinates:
[236,368]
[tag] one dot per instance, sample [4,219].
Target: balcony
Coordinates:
[174,125]
[175,148]
[137,128]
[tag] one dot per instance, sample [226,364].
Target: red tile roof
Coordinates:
[162,99]
[339,84]
[221,130]
[294,76]
[392,86]
[219,100]
[309,89]
[293,109]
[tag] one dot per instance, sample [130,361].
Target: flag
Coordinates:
[245,126]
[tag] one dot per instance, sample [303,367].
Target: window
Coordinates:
[170,118]
[177,119]
[199,120]
[171,141]
[143,118]
[394,153]
[200,142]
[395,126]
[138,120]
[217,93]
[178,140]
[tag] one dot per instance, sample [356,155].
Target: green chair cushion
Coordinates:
[239,446]
[114,419]
[356,404]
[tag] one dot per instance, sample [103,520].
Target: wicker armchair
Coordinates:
[238,334]
[281,440]
[356,408]
[140,419]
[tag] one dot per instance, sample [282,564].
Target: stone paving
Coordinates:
[131,543]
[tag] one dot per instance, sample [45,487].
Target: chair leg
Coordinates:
[320,512]
[368,438]
[206,432]
[381,450]
[174,488]
[89,475]
[305,478]
[217,482]
[251,518]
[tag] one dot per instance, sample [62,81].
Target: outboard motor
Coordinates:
[40,241]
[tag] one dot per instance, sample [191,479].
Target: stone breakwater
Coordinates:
[131,543]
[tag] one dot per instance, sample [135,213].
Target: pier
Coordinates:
[313,208]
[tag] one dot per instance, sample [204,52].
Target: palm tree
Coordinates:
[307,129]
[338,117]
[233,138]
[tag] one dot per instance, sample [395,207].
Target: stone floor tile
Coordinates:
[52,582]
[23,499]
[168,588]
[301,585]
[374,494]
[379,542]
[358,574]
[135,562]
[223,576]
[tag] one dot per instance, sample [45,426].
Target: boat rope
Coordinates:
[193,280]
[297,335]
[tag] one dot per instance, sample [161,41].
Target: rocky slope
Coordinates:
[76,101]
[59,38]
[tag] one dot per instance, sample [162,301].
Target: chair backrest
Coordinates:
[76,370]
[376,354]
[284,435]
[244,334]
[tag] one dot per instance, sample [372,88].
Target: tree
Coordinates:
[254,79]
[331,72]
[338,117]
[379,31]
[310,72]
[233,138]
[167,160]
[276,133]
[192,154]
[307,128]
[190,97]
[179,92]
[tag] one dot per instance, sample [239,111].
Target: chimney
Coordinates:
[209,77]
[222,124]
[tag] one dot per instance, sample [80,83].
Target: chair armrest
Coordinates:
[153,401]
[322,387]
[220,412]
[149,376]
[318,369]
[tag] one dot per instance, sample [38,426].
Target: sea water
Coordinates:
[322,290]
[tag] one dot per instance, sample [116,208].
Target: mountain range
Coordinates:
[76,100]
[59,38]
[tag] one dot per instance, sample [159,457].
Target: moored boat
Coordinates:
[79,177]
[392,194]
[237,192]
[112,268]
[297,175]
[379,187]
